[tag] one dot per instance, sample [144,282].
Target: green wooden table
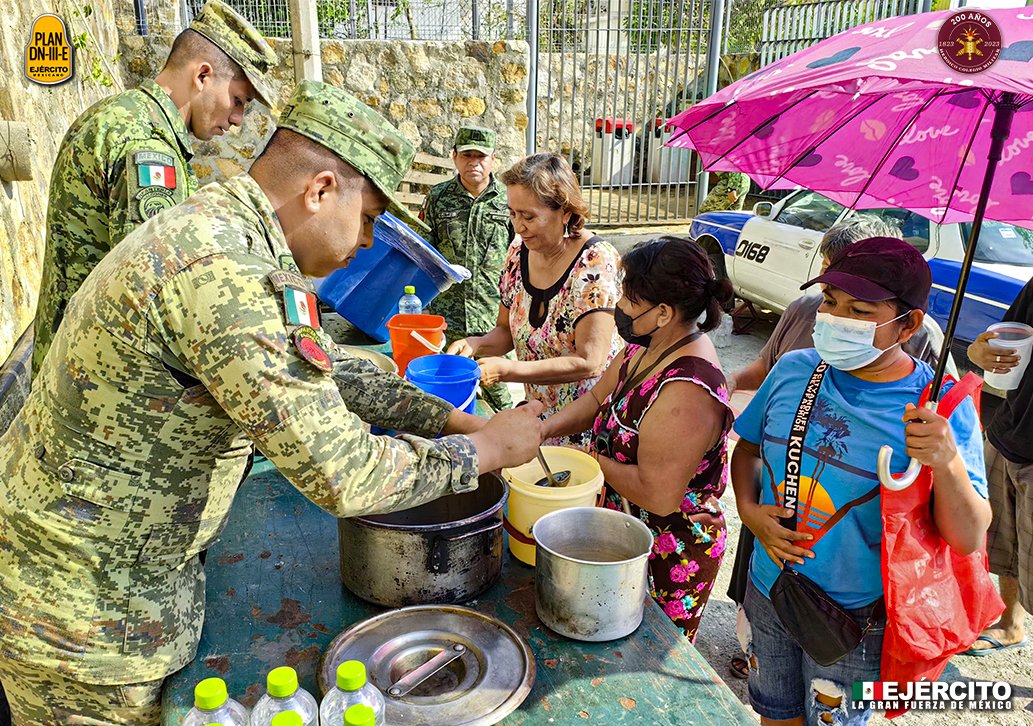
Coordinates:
[275,598]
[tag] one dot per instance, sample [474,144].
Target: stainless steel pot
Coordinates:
[437,665]
[445,551]
[591,576]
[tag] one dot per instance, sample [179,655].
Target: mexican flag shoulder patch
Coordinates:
[155,175]
[300,307]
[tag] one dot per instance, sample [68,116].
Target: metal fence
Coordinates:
[604,72]
[790,28]
[357,19]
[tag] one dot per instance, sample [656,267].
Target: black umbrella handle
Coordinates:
[1004,112]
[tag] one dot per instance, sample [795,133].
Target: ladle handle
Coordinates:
[545,465]
[418,675]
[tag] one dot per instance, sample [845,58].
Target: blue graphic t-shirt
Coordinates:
[850,421]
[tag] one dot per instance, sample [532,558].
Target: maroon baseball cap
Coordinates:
[880,268]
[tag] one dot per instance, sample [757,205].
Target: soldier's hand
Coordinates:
[990,359]
[461,347]
[510,438]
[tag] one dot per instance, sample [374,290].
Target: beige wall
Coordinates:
[49,111]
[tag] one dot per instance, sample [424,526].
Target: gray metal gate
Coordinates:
[606,70]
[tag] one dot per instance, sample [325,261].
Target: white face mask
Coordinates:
[847,343]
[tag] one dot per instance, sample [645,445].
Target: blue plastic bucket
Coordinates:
[366,292]
[451,377]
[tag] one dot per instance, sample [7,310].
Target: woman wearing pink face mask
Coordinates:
[818,422]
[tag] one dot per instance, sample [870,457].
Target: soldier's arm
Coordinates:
[146,176]
[410,409]
[222,319]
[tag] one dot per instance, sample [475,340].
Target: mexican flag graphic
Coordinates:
[153,175]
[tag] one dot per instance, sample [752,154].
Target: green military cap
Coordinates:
[475,138]
[229,30]
[357,134]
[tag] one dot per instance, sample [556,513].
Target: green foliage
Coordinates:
[90,56]
[671,23]
[564,22]
[495,22]
[651,24]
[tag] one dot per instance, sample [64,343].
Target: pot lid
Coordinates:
[439,665]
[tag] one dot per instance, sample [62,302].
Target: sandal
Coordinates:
[996,646]
[739,667]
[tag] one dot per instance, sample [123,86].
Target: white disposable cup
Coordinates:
[1010,336]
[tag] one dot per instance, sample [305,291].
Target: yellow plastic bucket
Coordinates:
[528,502]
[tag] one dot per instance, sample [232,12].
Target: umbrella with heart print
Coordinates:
[932,113]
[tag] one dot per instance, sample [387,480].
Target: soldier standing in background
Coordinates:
[468,217]
[126,157]
[194,340]
[729,193]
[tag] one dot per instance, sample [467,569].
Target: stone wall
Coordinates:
[49,111]
[427,89]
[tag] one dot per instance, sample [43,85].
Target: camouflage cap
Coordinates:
[229,30]
[475,138]
[357,134]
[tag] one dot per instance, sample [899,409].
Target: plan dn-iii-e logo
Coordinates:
[49,58]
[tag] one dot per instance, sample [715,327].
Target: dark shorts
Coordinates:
[784,683]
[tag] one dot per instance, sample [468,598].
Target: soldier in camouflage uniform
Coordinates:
[729,193]
[468,217]
[193,341]
[126,158]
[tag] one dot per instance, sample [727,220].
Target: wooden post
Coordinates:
[305,39]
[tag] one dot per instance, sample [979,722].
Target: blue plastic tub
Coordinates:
[451,377]
[366,292]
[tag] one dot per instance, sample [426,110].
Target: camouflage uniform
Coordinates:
[717,199]
[124,160]
[474,233]
[174,360]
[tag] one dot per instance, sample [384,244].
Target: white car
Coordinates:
[769,252]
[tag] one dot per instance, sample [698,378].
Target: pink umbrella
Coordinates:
[875,117]
[930,113]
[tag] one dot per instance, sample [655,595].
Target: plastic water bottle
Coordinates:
[282,695]
[212,705]
[409,304]
[352,688]
[287,718]
[360,715]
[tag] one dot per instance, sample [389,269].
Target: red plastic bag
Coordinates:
[937,601]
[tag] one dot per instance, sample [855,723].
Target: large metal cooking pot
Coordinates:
[590,581]
[445,551]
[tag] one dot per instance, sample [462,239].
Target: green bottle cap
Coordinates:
[287,718]
[282,682]
[360,715]
[210,693]
[410,290]
[351,675]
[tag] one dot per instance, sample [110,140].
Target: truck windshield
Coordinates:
[1001,243]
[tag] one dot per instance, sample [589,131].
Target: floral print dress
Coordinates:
[591,284]
[688,545]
